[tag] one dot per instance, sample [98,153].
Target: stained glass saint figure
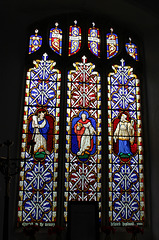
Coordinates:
[39,127]
[124,132]
[85,131]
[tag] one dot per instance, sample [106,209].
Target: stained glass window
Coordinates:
[94,40]
[131,49]
[112,44]
[35,42]
[83,135]
[74,39]
[39,152]
[126,196]
[66,144]
[55,39]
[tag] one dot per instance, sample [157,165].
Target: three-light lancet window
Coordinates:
[82,125]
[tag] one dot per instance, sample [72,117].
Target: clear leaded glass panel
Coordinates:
[40,144]
[126,193]
[83,135]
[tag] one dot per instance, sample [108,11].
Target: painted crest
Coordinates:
[94,40]
[74,39]
[112,44]
[131,49]
[35,42]
[55,39]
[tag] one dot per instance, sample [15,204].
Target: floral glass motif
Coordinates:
[83,135]
[40,143]
[35,42]
[55,39]
[74,39]
[131,49]
[126,193]
[112,44]
[94,40]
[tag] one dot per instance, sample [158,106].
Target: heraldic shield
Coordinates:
[35,42]
[55,39]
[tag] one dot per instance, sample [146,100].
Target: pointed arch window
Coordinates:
[82,126]
[39,152]
[83,135]
[126,196]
